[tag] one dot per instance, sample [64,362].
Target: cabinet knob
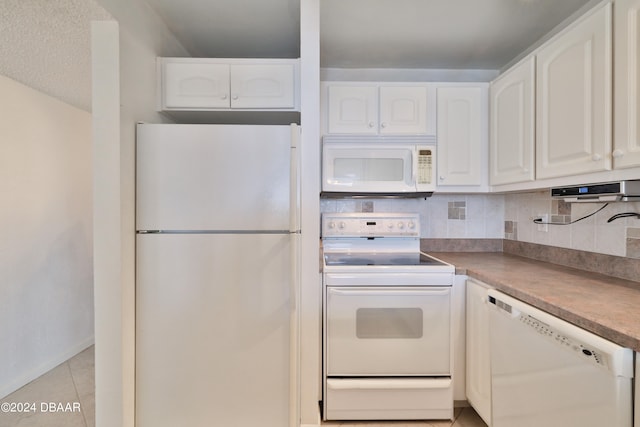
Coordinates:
[371,124]
[596,157]
[235,97]
[441,178]
[618,153]
[224,96]
[384,125]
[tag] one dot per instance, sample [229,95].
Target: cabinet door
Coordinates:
[191,85]
[403,110]
[626,151]
[573,134]
[511,143]
[460,135]
[478,356]
[263,86]
[353,109]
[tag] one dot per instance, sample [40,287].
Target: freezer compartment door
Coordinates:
[213,330]
[213,177]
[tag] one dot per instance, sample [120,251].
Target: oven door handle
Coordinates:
[390,292]
[388,384]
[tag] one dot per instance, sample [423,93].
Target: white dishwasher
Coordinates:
[548,372]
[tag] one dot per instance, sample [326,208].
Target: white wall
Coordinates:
[124,56]
[310,301]
[46,288]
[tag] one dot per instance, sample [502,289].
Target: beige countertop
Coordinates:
[604,305]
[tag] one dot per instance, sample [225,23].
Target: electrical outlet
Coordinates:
[543,218]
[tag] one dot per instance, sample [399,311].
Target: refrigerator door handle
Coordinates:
[294,181]
[294,280]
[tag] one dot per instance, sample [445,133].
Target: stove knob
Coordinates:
[342,225]
[400,225]
[332,225]
[411,225]
[390,225]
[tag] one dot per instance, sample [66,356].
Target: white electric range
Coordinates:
[387,320]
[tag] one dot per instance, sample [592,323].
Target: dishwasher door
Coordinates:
[548,372]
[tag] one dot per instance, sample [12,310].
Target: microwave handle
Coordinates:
[414,168]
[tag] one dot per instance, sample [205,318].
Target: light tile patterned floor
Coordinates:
[464,417]
[71,383]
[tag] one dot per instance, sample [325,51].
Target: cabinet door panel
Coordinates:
[263,86]
[512,125]
[190,85]
[626,151]
[478,352]
[403,110]
[460,136]
[353,109]
[574,100]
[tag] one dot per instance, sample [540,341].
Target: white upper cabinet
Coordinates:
[194,85]
[263,86]
[375,109]
[512,126]
[403,110]
[353,109]
[626,150]
[462,135]
[573,133]
[219,84]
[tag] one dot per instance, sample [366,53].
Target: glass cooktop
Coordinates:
[380,259]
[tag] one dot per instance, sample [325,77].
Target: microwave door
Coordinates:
[372,170]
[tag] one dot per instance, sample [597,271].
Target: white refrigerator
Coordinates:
[216,275]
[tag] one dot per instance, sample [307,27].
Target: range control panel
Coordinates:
[370,225]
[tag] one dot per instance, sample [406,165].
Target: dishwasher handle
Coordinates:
[504,308]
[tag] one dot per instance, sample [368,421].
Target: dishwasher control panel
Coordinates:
[563,340]
[553,334]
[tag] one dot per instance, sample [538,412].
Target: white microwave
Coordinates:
[378,166]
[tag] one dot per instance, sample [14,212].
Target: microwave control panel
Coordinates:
[425,165]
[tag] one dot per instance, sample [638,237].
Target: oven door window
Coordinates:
[388,331]
[389,322]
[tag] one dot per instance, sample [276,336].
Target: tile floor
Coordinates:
[72,383]
[464,417]
[63,397]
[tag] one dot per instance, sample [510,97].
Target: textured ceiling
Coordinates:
[46,44]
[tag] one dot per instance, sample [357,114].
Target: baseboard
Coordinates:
[461,404]
[25,378]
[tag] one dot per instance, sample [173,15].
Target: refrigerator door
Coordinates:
[213,177]
[213,330]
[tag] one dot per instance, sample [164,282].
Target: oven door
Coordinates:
[388,331]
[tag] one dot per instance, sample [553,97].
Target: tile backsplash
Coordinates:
[441,216]
[510,216]
[620,237]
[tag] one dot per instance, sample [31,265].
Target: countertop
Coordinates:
[604,305]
